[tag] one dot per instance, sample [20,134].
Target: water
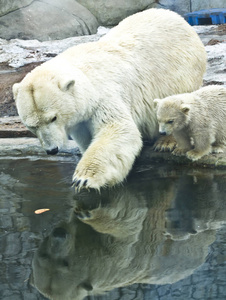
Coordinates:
[161,235]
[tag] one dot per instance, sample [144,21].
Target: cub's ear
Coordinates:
[15,90]
[67,85]
[86,286]
[185,108]
[156,102]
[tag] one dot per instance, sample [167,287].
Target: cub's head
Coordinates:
[50,102]
[172,114]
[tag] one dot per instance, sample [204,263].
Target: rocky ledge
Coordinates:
[17,142]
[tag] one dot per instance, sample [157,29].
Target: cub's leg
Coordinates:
[183,143]
[202,146]
[218,147]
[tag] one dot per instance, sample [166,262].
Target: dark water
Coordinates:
[161,235]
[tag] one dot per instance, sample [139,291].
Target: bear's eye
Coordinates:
[53,119]
[169,122]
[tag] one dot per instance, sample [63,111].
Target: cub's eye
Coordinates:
[53,119]
[169,122]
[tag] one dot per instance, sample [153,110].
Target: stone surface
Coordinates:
[8,6]
[206,4]
[48,20]
[179,6]
[111,12]
[30,147]
[11,127]
[27,147]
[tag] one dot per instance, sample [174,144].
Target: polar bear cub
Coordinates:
[197,120]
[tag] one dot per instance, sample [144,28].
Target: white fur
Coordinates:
[196,120]
[102,92]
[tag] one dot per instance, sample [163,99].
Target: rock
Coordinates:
[213,42]
[27,146]
[48,20]
[12,127]
[8,6]
[179,6]
[206,4]
[111,12]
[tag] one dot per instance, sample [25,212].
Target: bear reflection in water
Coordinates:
[148,231]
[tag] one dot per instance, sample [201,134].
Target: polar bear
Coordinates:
[196,120]
[101,93]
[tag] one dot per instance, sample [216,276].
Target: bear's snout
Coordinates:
[162,132]
[52,151]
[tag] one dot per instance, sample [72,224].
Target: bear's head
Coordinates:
[172,114]
[51,100]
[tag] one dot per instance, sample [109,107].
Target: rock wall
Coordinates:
[184,6]
[205,4]
[111,12]
[45,20]
[56,19]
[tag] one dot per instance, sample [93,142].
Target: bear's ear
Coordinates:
[15,90]
[185,108]
[156,101]
[67,85]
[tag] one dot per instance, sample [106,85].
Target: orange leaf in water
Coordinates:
[41,211]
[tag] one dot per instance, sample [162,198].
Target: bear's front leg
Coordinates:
[183,143]
[110,156]
[202,146]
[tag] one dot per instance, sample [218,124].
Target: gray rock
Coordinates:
[8,6]
[48,20]
[206,4]
[179,6]
[111,12]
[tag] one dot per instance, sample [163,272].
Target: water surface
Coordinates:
[160,235]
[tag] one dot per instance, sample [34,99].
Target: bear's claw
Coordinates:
[165,144]
[82,214]
[79,183]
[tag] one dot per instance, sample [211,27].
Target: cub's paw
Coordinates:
[195,155]
[217,149]
[165,143]
[179,151]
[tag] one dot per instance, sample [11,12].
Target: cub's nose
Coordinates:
[162,132]
[52,151]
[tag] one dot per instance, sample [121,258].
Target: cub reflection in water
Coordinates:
[127,235]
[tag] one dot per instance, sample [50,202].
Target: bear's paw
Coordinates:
[179,151]
[165,143]
[92,176]
[195,155]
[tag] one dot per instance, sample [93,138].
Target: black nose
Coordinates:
[52,151]
[162,132]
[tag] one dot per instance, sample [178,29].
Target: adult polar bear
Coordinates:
[101,93]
